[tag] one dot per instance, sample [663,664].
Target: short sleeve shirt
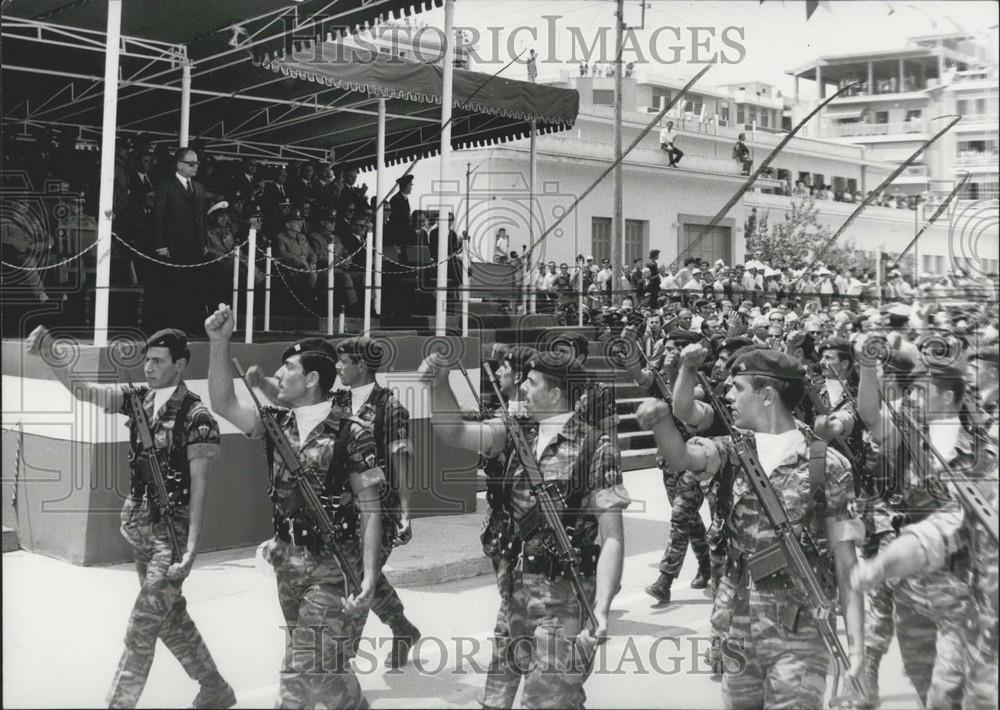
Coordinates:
[201,431]
[603,488]
[397,418]
[316,456]
[751,530]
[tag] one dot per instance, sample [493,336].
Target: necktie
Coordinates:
[190,188]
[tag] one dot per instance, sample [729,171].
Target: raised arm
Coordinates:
[487,437]
[41,342]
[221,393]
[870,398]
[697,415]
[655,416]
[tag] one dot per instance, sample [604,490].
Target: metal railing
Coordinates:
[848,130]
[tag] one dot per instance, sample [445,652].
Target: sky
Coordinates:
[775,35]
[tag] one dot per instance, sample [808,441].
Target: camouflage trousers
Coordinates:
[686,526]
[386,604]
[879,626]
[160,610]
[930,615]
[980,660]
[319,634]
[535,638]
[770,665]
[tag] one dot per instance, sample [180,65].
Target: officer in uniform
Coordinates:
[187,437]
[786,661]
[553,651]
[389,422]
[929,610]
[339,459]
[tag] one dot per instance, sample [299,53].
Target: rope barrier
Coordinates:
[48,266]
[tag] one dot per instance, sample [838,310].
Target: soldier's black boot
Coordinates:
[660,589]
[403,637]
[215,693]
[701,579]
[870,678]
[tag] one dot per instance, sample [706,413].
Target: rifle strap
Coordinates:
[817,479]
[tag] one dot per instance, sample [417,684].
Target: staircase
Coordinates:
[638,450]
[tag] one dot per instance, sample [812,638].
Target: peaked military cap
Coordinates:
[841,345]
[767,363]
[682,337]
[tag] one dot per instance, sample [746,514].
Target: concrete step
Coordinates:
[628,405]
[632,440]
[10,542]
[638,459]
[627,423]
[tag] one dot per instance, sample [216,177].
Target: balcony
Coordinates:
[970,158]
[832,129]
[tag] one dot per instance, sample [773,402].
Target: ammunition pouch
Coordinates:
[499,536]
[534,520]
[551,566]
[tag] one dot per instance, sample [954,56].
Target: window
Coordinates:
[913,115]
[741,116]
[707,245]
[881,117]
[765,117]
[751,114]
[600,238]
[852,185]
[604,96]
[963,106]
[724,113]
[635,234]
[661,97]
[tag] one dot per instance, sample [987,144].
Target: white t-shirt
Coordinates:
[548,430]
[160,397]
[666,136]
[360,395]
[310,416]
[774,449]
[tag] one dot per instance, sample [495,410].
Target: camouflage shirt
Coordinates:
[603,488]
[397,418]
[750,530]
[316,456]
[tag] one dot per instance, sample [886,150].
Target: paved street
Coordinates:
[64,626]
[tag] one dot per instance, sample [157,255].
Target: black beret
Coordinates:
[899,363]
[519,356]
[842,345]
[168,338]
[768,363]
[576,341]
[311,346]
[369,351]
[682,337]
[557,365]
[737,343]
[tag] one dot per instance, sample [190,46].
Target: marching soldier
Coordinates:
[187,436]
[389,422]
[786,660]
[930,609]
[339,459]
[553,650]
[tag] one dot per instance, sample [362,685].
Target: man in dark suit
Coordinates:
[243,182]
[179,237]
[399,232]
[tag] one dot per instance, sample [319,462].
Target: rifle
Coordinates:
[320,518]
[664,389]
[917,442]
[543,494]
[786,552]
[148,458]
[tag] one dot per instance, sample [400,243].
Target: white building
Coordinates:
[664,207]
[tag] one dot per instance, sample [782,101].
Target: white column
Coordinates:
[379,196]
[110,123]
[267,291]
[369,253]
[444,222]
[183,138]
[465,284]
[329,289]
[236,289]
[532,165]
[251,283]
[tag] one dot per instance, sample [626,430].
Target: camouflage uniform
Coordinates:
[386,604]
[310,582]
[538,621]
[786,662]
[685,494]
[160,610]
[931,611]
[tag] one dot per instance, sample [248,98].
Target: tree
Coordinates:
[796,239]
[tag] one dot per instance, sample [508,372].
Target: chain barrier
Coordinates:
[49,266]
[153,259]
[324,269]
[291,291]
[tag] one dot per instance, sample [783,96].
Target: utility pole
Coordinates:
[617,232]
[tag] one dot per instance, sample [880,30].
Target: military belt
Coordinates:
[738,572]
[553,568]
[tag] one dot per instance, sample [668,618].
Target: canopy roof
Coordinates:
[253,92]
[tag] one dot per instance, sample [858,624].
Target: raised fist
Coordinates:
[38,340]
[254,376]
[219,326]
[652,412]
[693,355]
